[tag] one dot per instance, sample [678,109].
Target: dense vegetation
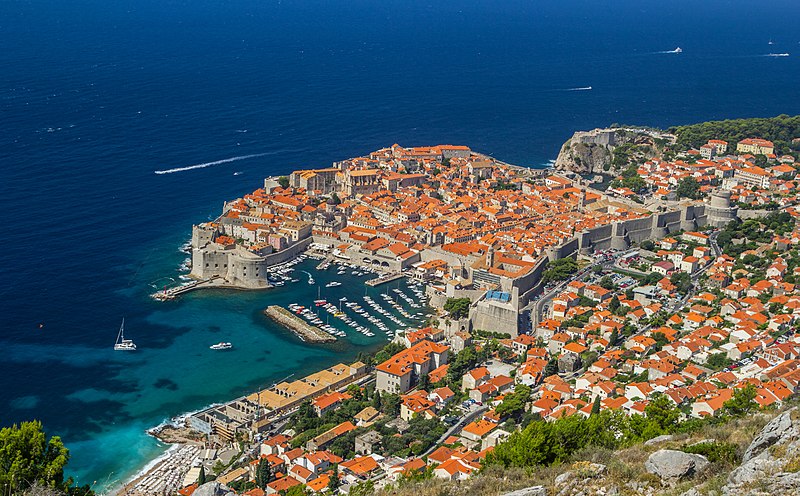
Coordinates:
[545,443]
[559,270]
[28,458]
[688,187]
[738,237]
[780,130]
[458,307]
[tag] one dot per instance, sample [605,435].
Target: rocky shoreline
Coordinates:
[302,329]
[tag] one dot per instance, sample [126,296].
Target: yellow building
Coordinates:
[756,146]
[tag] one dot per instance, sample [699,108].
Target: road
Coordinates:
[463,421]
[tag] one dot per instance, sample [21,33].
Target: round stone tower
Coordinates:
[719,210]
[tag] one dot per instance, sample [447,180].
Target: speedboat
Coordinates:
[221,346]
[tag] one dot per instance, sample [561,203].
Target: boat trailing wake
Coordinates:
[582,88]
[210,164]
[776,55]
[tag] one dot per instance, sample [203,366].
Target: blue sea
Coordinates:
[96,95]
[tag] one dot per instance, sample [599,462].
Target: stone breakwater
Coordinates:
[301,328]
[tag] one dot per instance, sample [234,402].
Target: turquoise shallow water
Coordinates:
[174,371]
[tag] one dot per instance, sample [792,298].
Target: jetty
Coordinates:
[385,278]
[300,327]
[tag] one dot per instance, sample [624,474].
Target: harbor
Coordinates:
[303,330]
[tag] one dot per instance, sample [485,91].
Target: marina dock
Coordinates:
[172,293]
[300,327]
[385,278]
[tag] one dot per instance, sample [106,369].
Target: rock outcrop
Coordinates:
[592,152]
[671,466]
[529,491]
[583,158]
[771,464]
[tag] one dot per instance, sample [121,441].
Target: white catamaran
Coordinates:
[123,344]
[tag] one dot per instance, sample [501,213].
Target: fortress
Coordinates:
[416,224]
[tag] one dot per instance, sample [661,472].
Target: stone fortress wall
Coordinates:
[488,315]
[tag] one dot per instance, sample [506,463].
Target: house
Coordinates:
[454,470]
[474,378]
[365,443]
[328,402]
[280,486]
[398,374]
[664,267]
[367,417]
[416,403]
[360,467]
[474,431]
[712,403]
[441,395]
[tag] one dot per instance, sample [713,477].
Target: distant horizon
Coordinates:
[97,96]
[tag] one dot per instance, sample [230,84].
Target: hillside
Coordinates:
[747,456]
[781,130]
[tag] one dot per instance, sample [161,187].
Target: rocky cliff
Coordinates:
[606,151]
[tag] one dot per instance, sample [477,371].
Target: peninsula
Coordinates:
[465,224]
[663,307]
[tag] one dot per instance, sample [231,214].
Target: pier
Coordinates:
[212,282]
[327,260]
[300,327]
[385,278]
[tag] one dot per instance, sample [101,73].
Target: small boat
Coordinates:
[311,280]
[678,50]
[333,284]
[123,344]
[319,303]
[221,346]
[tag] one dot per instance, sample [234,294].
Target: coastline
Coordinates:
[147,469]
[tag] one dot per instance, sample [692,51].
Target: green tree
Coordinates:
[742,402]
[391,404]
[201,478]
[663,412]
[263,473]
[682,281]
[718,361]
[551,368]
[606,282]
[688,187]
[376,400]
[334,199]
[27,456]
[333,483]
[513,404]
[596,405]
[612,340]
[283,181]
[424,382]
[362,489]
[614,304]
[559,270]
[457,307]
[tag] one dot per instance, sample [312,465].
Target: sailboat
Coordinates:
[123,344]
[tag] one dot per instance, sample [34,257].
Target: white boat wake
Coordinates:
[210,164]
[582,88]
[776,55]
